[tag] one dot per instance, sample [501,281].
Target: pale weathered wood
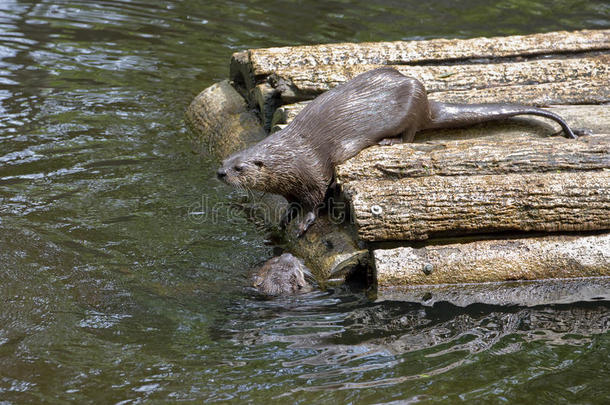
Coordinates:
[578,91]
[267,100]
[535,69]
[591,73]
[575,69]
[522,293]
[419,208]
[494,260]
[594,118]
[477,157]
[261,62]
[220,120]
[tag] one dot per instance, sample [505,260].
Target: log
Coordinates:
[593,117]
[494,260]
[589,75]
[413,192]
[435,206]
[330,251]
[221,122]
[259,63]
[477,157]
[521,293]
[542,69]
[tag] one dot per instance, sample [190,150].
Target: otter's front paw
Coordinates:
[305,223]
[288,215]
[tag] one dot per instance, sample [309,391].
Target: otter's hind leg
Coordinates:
[405,137]
[408,135]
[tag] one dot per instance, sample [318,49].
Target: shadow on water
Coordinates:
[113,291]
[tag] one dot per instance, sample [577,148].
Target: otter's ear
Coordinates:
[259,163]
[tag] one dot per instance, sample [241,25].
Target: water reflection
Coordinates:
[398,346]
[111,293]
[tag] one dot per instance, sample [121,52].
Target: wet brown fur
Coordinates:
[282,275]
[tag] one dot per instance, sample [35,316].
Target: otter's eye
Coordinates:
[258,163]
[238,168]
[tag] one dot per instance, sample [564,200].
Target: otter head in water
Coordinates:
[282,275]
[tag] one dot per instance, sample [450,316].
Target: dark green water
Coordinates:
[111,293]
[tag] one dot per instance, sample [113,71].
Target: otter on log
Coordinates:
[298,162]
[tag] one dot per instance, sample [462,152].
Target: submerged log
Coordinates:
[494,260]
[221,121]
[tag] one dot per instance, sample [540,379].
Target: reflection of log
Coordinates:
[494,260]
[479,187]
[222,124]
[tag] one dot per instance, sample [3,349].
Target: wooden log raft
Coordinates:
[539,69]
[413,192]
[508,259]
[508,177]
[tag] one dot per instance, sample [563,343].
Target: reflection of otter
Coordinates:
[282,275]
[298,161]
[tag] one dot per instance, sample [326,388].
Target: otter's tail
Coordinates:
[447,115]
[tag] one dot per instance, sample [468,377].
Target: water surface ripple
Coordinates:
[116,286]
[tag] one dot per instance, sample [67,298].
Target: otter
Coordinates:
[298,161]
[282,275]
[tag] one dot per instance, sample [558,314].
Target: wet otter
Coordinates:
[282,275]
[298,161]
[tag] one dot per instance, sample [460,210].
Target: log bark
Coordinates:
[434,206]
[536,69]
[418,191]
[221,122]
[590,74]
[494,260]
[259,63]
[521,293]
[477,157]
[595,118]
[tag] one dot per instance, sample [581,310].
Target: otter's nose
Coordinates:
[221,173]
